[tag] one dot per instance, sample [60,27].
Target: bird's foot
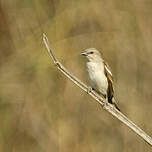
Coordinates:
[89,90]
[105,104]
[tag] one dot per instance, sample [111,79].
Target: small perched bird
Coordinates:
[99,75]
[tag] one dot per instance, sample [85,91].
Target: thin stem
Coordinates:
[108,107]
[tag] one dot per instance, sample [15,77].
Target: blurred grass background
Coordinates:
[40,109]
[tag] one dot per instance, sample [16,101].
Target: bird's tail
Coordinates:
[114,103]
[116,106]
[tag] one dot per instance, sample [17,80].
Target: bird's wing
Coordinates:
[108,73]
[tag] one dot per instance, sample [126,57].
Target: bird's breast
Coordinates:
[96,76]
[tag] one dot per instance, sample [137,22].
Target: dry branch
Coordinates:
[108,107]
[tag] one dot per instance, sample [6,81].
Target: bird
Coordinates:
[99,75]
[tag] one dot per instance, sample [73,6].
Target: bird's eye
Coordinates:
[91,52]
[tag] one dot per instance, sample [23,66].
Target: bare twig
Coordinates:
[111,109]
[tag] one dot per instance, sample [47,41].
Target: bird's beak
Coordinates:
[84,54]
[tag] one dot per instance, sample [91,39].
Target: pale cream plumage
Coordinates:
[99,74]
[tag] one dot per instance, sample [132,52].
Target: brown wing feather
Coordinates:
[110,91]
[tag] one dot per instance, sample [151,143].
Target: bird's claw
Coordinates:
[105,104]
[89,90]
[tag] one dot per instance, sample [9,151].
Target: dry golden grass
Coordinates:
[40,109]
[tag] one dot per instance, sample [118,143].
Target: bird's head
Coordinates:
[92,55]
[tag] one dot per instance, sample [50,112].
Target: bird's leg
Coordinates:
[89,89]
[105,96]
[105,101]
